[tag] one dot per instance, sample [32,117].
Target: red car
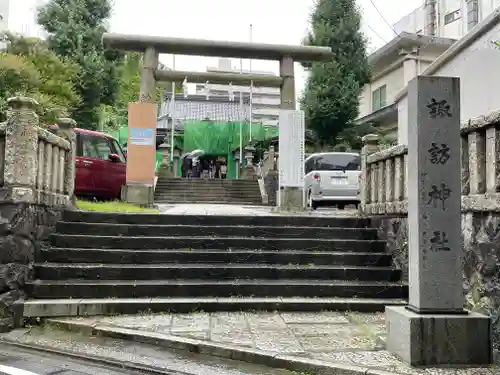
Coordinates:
[100,165]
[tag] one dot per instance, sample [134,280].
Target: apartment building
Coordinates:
[265,100]
[474,59]
[393,66]
[446,18]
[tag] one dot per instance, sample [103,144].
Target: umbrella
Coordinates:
[196,153]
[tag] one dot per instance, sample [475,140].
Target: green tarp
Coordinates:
[221,138]
[215,138]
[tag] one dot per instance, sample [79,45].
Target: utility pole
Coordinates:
[172,115]
[251,88]
[241,122]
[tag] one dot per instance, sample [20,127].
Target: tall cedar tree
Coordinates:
[330,99]
[75,29]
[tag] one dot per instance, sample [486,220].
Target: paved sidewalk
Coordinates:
[350,339]
[242,210]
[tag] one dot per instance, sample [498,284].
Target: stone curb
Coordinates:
[259,357]
[94,359]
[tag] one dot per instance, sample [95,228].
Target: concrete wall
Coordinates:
[413,22]
[477,66]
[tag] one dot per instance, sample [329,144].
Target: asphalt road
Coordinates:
[19,361]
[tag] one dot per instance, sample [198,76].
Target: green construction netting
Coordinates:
[121,135]
[221,138]
[213,137]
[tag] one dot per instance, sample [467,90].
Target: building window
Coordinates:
[452,17]
[379,98]
[472,14]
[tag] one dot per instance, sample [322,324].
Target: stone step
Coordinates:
[196,187]
[209,242]
[215,201]
[208,187]
[200,193]
[105,229]
[215,288]
[211,271]
[213,256]
[208,198]
[213,184]
[199,220]
[93,307]
[216,181]
[196,199]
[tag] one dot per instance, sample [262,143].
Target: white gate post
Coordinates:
[291,160]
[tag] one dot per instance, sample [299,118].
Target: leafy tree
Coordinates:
[28,67]
[17,77]
[75,29]
[330,99]
[54,89]
[352,135]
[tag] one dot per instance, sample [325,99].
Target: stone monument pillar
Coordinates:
[21,150]
[434,329]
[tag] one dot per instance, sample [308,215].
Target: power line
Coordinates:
[376,33]
[385,20]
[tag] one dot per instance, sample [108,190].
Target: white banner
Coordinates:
[291,148]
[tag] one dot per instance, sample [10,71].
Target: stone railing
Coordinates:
[383,178]
[36,166]
[480,155]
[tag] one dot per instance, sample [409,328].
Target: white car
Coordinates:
[332,178]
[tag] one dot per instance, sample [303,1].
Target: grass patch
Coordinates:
[113,206]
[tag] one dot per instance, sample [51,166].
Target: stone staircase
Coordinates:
[197,190]
[124,263]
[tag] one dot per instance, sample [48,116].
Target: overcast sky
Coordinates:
[274,21]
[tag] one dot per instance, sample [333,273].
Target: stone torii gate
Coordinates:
[140,174]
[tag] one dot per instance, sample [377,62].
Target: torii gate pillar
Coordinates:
[141,158]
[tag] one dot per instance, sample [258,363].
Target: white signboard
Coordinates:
[142,137]
[291,148]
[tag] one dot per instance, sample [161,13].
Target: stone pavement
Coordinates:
[348,339]
[242,210]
